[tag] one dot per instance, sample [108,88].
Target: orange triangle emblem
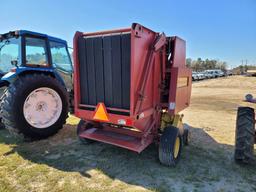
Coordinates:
[101,113]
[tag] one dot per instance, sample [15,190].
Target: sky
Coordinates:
[214,29]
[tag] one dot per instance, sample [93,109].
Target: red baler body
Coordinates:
[135,73]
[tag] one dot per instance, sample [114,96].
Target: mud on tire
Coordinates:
[245,135]
[12,104]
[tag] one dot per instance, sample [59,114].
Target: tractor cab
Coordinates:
[25,51]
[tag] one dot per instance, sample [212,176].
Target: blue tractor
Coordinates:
[36,83]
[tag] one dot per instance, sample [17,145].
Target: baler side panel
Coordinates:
[144,69]
[180,89]
[181,78]
[179,52]
[141,45]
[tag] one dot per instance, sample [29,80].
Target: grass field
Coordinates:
[61,163]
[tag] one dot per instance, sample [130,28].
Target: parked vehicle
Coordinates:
[195,76]
[229,73]
[201,76]
[213,73]
[220,73]
[122,105]
[207,75]
[37,74]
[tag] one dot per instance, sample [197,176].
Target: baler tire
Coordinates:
[82,125]
[245,135]
[12,106]
[167,146]
[186,137]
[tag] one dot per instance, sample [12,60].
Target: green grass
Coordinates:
[61,163]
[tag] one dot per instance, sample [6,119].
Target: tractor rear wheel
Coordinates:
[2,92]
[170,146]
[245,135]
[35,106]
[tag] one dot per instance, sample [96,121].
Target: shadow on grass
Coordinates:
[203,163]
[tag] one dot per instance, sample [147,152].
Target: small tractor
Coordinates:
[129,87]
[245,133]
[36,79]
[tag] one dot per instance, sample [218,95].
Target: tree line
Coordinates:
[242,69]
[201,65]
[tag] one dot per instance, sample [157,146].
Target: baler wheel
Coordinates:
[186,136]
[35,106]
[170,146]
[245,135]
[82,126]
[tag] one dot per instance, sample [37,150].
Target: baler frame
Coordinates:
[128,128]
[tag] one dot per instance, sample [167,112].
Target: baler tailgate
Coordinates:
[105,70]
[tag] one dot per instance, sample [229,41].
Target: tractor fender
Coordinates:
[10,77]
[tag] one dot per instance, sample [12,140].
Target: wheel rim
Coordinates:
[42,107]
[176,147]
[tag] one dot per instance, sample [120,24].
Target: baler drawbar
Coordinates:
[129,87]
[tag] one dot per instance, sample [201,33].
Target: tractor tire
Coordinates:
[170,146]
[82,126]
[35,106]
[245,135]
[2,92]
